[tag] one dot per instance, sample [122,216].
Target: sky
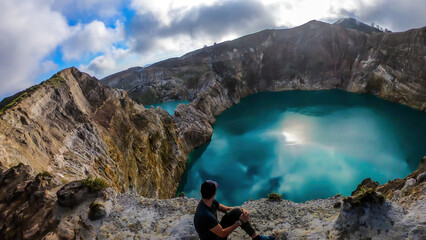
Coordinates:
[40,37]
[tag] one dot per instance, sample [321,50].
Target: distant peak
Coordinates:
[314,22]
[353,23]
[69,69]
[342,20]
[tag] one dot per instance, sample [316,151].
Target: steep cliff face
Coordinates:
[313,56]
[72,126]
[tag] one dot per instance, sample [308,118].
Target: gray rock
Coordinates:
[72,194]
[421,177]
[409,185]
[365,185]
[96,211]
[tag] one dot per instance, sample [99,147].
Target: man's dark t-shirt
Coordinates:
[205,219]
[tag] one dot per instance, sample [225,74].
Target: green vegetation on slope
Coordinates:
[9,102]
[94,184]
[19,98]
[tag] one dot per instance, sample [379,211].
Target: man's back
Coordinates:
[205,219]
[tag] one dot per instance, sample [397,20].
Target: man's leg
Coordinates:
[232,216]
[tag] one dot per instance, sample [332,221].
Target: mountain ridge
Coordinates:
[315,55]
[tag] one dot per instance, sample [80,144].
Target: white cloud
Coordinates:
[29,30]
[94,38]
[394,14]
[112,61]
[167,11]
[47,66]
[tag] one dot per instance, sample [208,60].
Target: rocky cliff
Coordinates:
[313,56]
[71,126]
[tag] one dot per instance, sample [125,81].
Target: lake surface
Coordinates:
[168,106]
[306,145]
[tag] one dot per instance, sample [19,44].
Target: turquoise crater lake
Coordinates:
[168,106]
[306,145]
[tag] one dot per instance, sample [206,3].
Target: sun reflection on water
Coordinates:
[296,129]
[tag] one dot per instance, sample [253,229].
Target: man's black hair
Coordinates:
[208,189]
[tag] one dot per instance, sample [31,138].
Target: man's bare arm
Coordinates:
[224,208]
[222,233]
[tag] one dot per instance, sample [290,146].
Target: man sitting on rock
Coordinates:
[205,219]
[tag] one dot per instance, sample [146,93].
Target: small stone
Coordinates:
[337,205]
[409,184]
[421,178]
[96,211]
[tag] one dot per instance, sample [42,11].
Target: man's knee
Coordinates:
[234,213]
[236,210]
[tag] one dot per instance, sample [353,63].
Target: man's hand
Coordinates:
[245,211]
[245,217]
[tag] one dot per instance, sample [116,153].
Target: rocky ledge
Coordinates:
[37,207]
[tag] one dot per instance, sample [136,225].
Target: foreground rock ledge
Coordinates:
[30,210]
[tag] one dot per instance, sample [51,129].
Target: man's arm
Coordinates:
[224,208]
[222,233]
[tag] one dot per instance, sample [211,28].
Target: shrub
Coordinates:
[275,197]
[44,174]
[64,181]
[182,194]
[94,184]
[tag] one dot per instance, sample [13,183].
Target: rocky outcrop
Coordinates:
[365,185]
[380,212]
[27,204]
[73,193]
[72,127]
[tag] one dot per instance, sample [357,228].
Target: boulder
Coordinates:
[96,211]
[409,185]
[72,194]
[365,185]
[421,178]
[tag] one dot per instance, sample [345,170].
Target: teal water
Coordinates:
[169,106]
[306,145]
